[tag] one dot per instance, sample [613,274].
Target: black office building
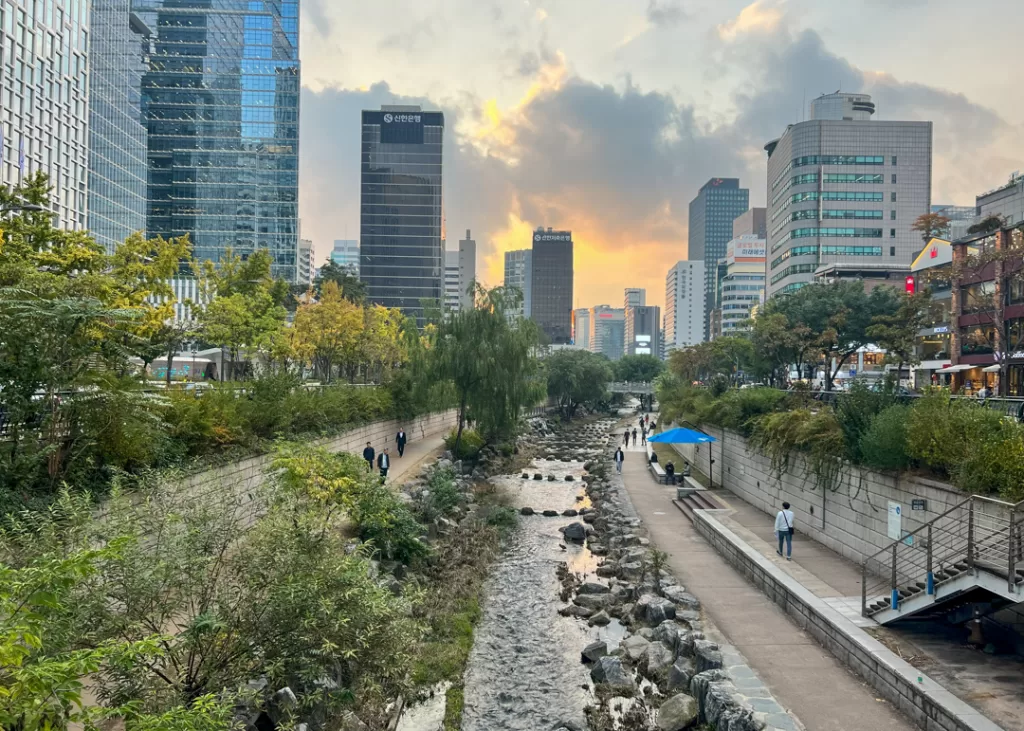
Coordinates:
[712,212]
[401,256]
[551,284]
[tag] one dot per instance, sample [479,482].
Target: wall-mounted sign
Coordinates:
[918,504]
[895,525]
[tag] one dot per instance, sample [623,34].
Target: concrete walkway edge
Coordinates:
[930,705]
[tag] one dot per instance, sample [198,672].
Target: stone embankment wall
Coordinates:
[852,519]
[242,478]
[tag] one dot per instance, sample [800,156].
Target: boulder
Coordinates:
[659,659]
[609,671]
[574,610]
[526,511]
[681,598]
[635,647]
[630,570]
[538,476]
[592,587]
[654,609]
[668,633]
[525,476]
[592,601]
[550,513]
[598,550]
[594,651]
[680,674]
[570,513]
[706,655]
[677,713]
[607,569]
[575,532]
[600,619]
[551,478]
[569,478]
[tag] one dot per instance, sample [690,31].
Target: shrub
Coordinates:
[443,493]
[994,465]
[387,523]
[470,445]
[855,412]
[815,434]
[739,409]
[884,445]
[942,434]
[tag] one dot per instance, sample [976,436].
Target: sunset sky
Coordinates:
[606,116]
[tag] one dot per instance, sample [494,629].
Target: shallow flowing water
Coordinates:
[524,671]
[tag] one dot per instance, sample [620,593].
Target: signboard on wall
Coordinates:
[895,526]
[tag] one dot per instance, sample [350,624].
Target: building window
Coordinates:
[892,233]
[894,161]
[892,251]
[892,215]
[977,340]
[977,297]
[893,197]
[894,178]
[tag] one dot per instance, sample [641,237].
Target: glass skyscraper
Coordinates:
[401,255]
[117,136]
[551,282]
[221,103]
[43,100]
[712,212]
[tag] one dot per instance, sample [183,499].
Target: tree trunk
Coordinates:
[462,421]
[170,362]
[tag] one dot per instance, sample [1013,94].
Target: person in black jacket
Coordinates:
[368,455]
[400,440]
[384,464]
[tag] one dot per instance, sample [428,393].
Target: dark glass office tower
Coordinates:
[117,137]
[551,284]
[221,103]
[712,212]
[401,257]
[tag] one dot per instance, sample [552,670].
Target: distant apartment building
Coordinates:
[684,305]
[844,191]
[643,330]
[305,268]
[519,275]
[635,297]
[452,300]
[752,221]
[467,271]
[607,331]
[552,284]
[742,286]
[346,254]
[712,213]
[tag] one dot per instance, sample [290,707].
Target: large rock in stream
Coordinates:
[677,713]
[608,670]
[575,532]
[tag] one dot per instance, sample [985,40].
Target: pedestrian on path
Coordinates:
[400,441]
[368,455]
[634,436]
[625,438]
[384,464]
[784,530]
[620,456]
[643,437]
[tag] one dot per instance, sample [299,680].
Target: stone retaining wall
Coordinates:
[852,520]
[930,706]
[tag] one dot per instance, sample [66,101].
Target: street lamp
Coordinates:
[23,207]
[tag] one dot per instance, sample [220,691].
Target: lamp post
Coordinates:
[30,207]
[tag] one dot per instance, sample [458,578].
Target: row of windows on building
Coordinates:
[807,160]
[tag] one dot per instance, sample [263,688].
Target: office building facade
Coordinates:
[753,221]
[346,254]
[643,331]
[452,299]
[467,271]
[1006,201]
[844,192]
[519,275]
[44,79]
[401,208]
[635,297]
[742,285]
[684,305]
[552,284]
[119,49]
[581,328]
[607,331]
[220,101]
[712,213]
[305,268]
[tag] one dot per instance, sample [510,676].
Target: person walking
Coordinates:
[634,436]
[368,455]
[625,438]
[620,457]
[400,441]
[784,530]
[384,464]
[643,437]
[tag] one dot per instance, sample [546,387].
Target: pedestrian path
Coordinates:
[416,454]
[802,676]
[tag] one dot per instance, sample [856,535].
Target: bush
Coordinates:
[738,409]
[387,523]
[443,493]
[884,445]
[942,434]
[855,411]
[995,465]
[469,447]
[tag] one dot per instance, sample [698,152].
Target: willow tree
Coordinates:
[490,360]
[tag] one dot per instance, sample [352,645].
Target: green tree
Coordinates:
[348,283]
[931,226]
[777,344]
[897,333]
[328,332]
[577,378]
[638,368]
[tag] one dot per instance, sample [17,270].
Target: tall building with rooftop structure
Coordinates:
[844,191]
[551,284]
[519,275]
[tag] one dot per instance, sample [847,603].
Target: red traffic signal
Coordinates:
[911,285]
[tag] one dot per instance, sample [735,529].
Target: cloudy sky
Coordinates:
[606,116]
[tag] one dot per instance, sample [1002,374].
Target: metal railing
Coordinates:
[966,538]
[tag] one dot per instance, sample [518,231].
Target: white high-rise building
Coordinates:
[635,297]
[844,191]
[44,110]
[467,271]
[452,301]
[346,254]
[684,305]
[519,275]
[305,270]
[581,328]
[607,331]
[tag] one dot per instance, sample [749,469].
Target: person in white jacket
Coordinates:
[784,530]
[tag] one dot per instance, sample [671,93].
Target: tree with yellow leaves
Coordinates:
[328,332]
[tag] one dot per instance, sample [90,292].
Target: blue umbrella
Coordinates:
[680,435]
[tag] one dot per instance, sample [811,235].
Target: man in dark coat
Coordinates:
[368,455]
[384,464]
[400,441]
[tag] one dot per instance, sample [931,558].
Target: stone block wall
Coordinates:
[851,520]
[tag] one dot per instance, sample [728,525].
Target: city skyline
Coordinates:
[537,129]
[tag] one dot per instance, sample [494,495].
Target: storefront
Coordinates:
[968,379]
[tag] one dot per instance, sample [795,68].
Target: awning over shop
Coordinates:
[957,369]
[932,365]
[991,369]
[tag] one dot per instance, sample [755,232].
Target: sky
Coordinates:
[606,116]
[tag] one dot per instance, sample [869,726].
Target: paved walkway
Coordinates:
[416,453]
[801,674]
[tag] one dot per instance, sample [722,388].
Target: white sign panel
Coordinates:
[895,531]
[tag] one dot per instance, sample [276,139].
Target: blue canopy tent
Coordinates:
[682,435]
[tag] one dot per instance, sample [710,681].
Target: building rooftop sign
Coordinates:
[937,253]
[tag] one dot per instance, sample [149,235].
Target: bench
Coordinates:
[659,472]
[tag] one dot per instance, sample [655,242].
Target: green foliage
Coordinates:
[577,378]
[737,409]
[638,368]
[883,446]
[817,436]
[387,524]
[444,493]
[350,285]
[855,411]
[468,447]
